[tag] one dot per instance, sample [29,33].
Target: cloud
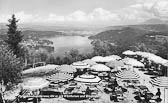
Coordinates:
[158,8]
[103,15]
[54,18]
[143,10]
[98,15]
[140,11]
[77,16]
[23,18]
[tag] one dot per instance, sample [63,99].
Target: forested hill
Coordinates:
[119,35]
[130,34]
[137,38]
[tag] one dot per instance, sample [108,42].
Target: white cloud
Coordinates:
[97,15]
[54,18]
[138,12]
[77,16]
[103,15]
[159,8]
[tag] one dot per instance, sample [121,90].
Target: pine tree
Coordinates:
[14,36]
[10,69]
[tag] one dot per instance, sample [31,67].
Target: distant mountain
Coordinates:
[154,21]
[146,27]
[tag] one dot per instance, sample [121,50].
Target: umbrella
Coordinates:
[85,78]
[89,61]
[128,75]
[59,77]
[133,62]
[98,59]
[160,82]
[80,65]
[111,58]
[100,68]
[67,69]
[108,59]
[116,57]
[129,52]
[115,64]
[152,57]
[35,83]
[165,64]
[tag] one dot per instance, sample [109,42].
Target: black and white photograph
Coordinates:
[83,51]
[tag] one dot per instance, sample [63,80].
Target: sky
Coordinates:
[83,12]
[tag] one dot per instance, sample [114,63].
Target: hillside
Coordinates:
[125,35]
[136,39]
[154,21]
[131,33]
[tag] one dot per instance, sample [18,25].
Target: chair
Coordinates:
[120,97]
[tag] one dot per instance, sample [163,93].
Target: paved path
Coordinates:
[145,80]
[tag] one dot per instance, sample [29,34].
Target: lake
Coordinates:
[63,44]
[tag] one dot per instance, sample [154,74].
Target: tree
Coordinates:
[103,48]
[10,68]
[10,65]
[14,37]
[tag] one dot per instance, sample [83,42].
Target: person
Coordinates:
[146,97]
[88,91]
[158,93]
[113,96]
[115,82]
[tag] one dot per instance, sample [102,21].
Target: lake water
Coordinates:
[63,44]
